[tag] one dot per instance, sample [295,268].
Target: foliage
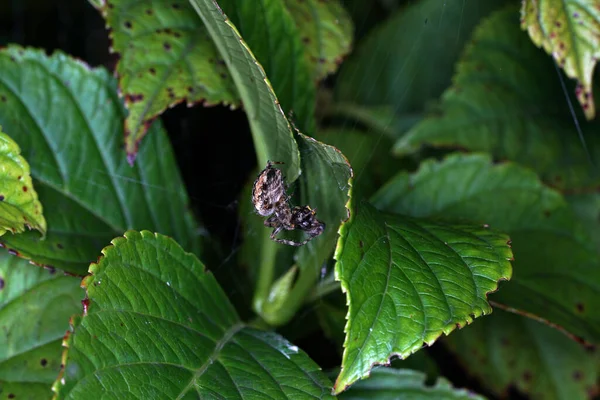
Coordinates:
[457,181]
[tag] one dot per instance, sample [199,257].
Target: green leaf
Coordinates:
[35,306]
[381,119]
[557,267]
[326,30]
[408,281]
[587,207]
[403,62]
[274,39]
[273,139]
[392,384]
[507,350]
[569,30]
[165,57]
[368,154]
[70,131]
[158,326]
[506,99]
[19,205]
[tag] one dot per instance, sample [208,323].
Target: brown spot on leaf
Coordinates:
[86,304]
[128,24]
[577,375]
[547,213]
[167,46]
[152,71]
[176,6]
[134,98]
[1,197]
[149,12]
[306,40]
[43,362]
[3,99]
[580,307]
[11,396]
[527,376]
[24,188]
[1,283]
[60,246]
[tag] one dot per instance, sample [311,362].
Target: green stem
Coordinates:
[267,256]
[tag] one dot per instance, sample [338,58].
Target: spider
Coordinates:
[270,199]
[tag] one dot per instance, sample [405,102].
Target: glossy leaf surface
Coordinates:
[507,99]
[569,30]
[408,281]
[70,129]
[557,267]
[19,205]
[157,325]
[35,307]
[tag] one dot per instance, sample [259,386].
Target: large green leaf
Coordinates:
[70,130]
[326,30]
[19,205]
[35,307]
[158,326]
[569,30]
[165,57]
[557,266]
[409,59]
[393,384]
[273,139]
[507,350]
[408,281]
[506,99]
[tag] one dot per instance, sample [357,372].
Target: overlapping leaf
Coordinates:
[19,205]
[368,155]
[157,325]
[326,30]
[273,139]
[507,350]
[392,384]
[273,37]
[391,67]
[70,130]
[569,30]
[507,99]
[557,267]
[35,307]
[165,57]
[408,281]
